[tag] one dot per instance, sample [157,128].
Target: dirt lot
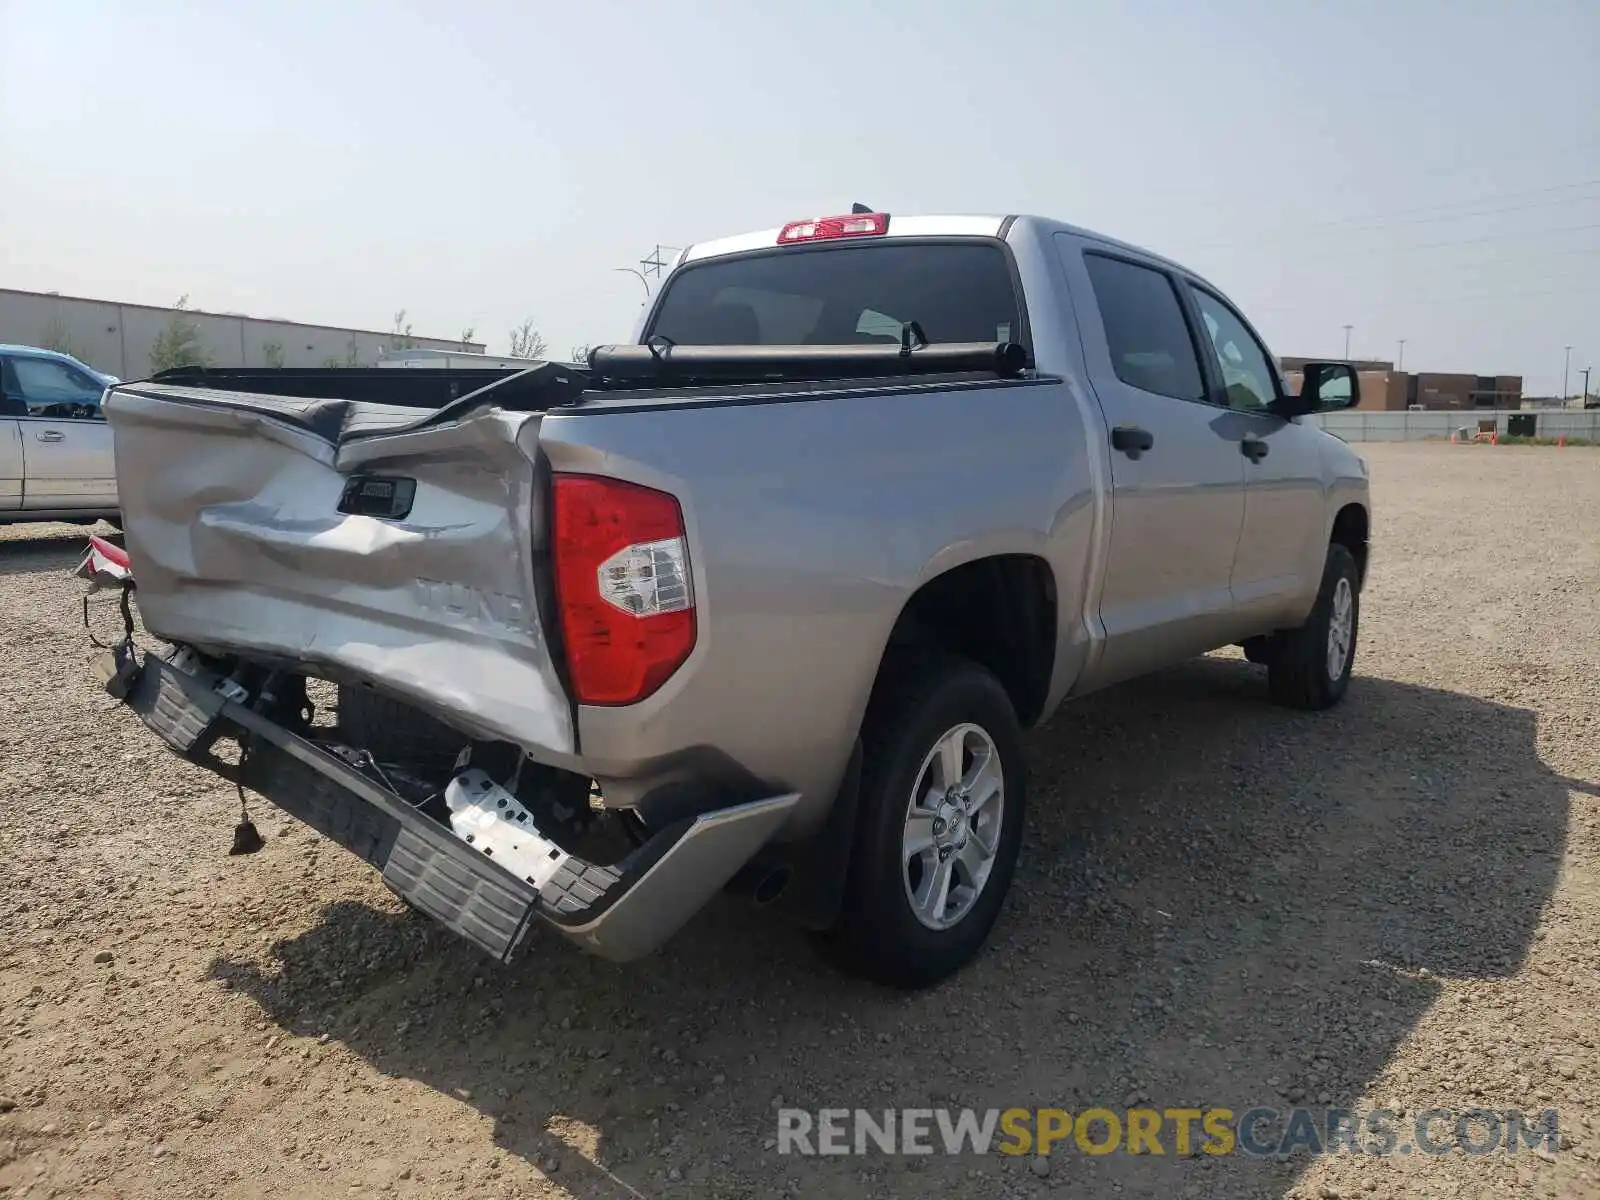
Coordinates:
[1220,903]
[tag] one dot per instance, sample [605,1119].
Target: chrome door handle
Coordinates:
[52,435]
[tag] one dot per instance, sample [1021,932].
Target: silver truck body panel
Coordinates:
[697,866]
[804,556]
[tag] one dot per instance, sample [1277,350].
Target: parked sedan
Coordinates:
[55,446]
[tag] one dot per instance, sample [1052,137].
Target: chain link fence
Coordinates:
[1356,426]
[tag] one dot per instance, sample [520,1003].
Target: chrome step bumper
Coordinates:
[619,912]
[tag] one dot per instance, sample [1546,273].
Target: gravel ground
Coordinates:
[1221,903]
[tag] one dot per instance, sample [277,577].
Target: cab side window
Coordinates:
[1248,378]
[1151,348]
[54,389]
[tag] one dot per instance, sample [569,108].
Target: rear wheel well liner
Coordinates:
[999,612]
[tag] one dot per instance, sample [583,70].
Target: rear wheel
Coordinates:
[943,791]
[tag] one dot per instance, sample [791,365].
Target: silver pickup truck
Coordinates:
[55,448]
[760,603]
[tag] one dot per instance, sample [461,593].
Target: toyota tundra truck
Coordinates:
[760,602]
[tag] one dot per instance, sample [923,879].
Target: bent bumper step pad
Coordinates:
[618,911]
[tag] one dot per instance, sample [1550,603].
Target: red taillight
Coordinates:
[117,555]
[622,587]
[821,229]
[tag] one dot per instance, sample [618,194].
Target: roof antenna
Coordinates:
[859,208]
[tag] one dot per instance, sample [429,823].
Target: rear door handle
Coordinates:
[1132,440]
[1254,449]
[52,435]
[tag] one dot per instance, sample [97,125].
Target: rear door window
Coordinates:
[859,294]
[1149,339]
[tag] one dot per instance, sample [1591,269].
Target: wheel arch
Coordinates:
[1000,611]
[1352,526]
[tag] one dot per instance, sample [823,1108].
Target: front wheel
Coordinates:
[1310,666]
[943,790]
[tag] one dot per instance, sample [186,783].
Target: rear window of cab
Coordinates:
[861,293]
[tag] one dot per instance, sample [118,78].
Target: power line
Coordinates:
[1495,294]
[1384,219]
[1582,151]
[1583,291]
[1472,241]
[1482,212]
[1490,199]
[1447,273]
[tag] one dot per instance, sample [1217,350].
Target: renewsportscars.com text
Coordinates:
[1260,1131]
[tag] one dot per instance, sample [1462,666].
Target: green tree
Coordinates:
[178,345]
[527,342]
[272,354]
[400,336]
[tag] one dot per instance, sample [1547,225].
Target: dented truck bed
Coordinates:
[352,541]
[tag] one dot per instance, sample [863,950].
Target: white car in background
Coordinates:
[56,460]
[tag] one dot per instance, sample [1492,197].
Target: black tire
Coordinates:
[394,732]
[1299,675]
[878,935]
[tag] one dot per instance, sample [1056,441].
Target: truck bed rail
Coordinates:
[664,365]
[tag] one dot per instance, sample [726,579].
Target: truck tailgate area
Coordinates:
[352,541]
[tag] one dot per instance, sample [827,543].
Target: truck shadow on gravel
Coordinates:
[1220,903]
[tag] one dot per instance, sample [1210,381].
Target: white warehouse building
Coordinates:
[116,338]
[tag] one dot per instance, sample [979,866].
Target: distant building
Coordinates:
[1385,389]
[116,338]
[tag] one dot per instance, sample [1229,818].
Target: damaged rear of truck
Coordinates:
[407,559]
[603,638]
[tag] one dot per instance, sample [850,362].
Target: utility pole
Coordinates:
[1400,359]
[653,263]
[1586,387]
[1565,363]
[1347,343]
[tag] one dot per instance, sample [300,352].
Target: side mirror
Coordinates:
[1325,387]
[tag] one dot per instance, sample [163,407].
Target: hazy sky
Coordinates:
[1418,169]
